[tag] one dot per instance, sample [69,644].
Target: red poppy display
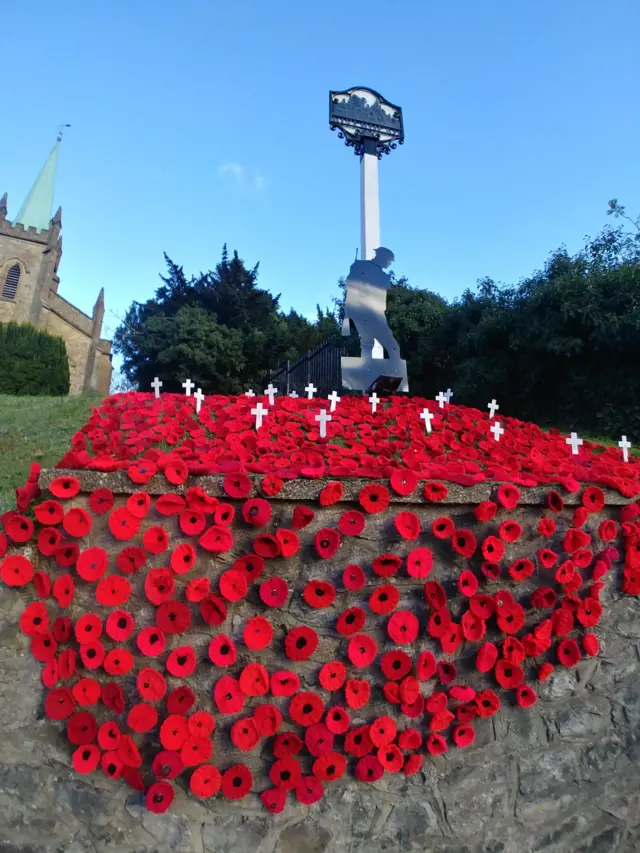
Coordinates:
[306,708]
[256,512]
[300,643]
[258,633]
[362,650]
[205,781]
[384,599]
[302,517]
[419,563]
[408,525]
[374,498]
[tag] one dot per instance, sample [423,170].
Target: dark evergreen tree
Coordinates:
[33,362]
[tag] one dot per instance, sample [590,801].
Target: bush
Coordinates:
[34,363]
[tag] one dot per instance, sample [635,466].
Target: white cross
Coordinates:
[294,394]
[625,446]
[311,390]
[271,393]
[497,430]
[259,412]
[334,400]
[574,442]
[199,398]
[373,399]
[449,395]
[427,417]
[188,386]
[323,418]
[493,408]
[156,385]
[441,399]
[249,393]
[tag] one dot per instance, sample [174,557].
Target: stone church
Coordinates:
[30,252]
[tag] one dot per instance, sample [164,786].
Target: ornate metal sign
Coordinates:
[360,114]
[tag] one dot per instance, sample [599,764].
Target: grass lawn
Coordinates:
[36,429]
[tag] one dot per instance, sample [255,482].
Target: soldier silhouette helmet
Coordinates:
[383,257]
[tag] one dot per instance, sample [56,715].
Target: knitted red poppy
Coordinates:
[435,492]
[268,719]
[306,708]
[402,627]
[302,517]
[337,720]
[435,744]
[384,599]
[369,769]
[176,472]
[351,621]
[16,570]
[358,742]
[181,662]
[254,680]
[353,577]
[526,696]
[139,504]
[286,745]
[48,541]
[521,569]
[300,643]
[274,592]
[408,525]
[434,595]
[49,512]
[331,493]
[180,700]
[142,718]
[155,540]
[374,498]
[258,633]
[274,800]
[244,734]
[101,501]
[329,766]
[237,485]
[19,528]
[213,609]
[217,540]
[468,583]
[446,672]
[607,530]
[351,523]
[173,617]
[485,511]
[233,585]
[256,512]
[205,781]
[151,641]
[464,543]
[271,485]
[403,482]
[473,627]
[419,563]
[151,685]
[319,594]
[284,683]
[318,739]
[228,695]
[386,565]
[357,693]
[122,524]
[508,496]
[66,555]
[288,541]
[251,564]
[492,549]
[170,504]
[426,665]
[192,522]
[64,487]
[332,675]
[222,651]
[362,650]
[568,652]
[443,527]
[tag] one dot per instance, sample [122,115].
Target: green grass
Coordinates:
[36,429]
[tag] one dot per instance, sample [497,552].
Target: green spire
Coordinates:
[36,210]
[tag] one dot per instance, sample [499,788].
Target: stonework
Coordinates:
[38,253]
[560,777]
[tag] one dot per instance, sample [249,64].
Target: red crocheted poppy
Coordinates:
[402,627]
[170,504]
[59,703]
[285,773]
[337,720]
[118,662]
[245,735]
[473,628]
[256,512]
[173,617]
[326,542]
[435,492]
[329,766]
[486,657]
[151,641]
[66,554]
[443,527]
[222,651]
[482,606]
[142,472]
[575,539]
[300,643]
[42,584]
[48,541]
[521,569]
[353,577]
[487,703]
[434,595]
[590,644]
[593,499]
[302,517]
[271,485]
[217,540]
[580,517]
[142,718]
[44,648]
[510,618]
[122,524]
[223,515]
[274,800]
[374,498]
[403,482]
[508,496]
[351,523]
[268,719]
[546,527]
[332,675]
[267,546]
[86,758]
[65,487]
[88,628]
[286,745]
[426,665]
[513,650]
[468,583]
[382,731]
[155,540]
[237,485]
[251,565]
[205,781]
[464,543]
[509,531]
[228,695]
[284,683]
[351,621]
[463,736]
[16,570]
[34,619]
[233,585]
[384,599]
[258,633]
[274,592]
[92,564]
[138,504]
[113,591]
[386,565]
[362,650]
[18,528]
[435,744]
[181,662]
[288,541]
[180,700]
[318,739]
[49,512]
[492,549]
[309,790]
[526,696]
[331,494]
[554,501]
[201,724]
[159,585]
[446,672]
[485,511]
[419,563]
[254,680]
[568,652]
[358,742]
[63,591]
[319,594]
[192,522]
[508,674]
[183,558]
[608,530]
[112,697]
[213,609]
[151,685]
[176,472]
[357,693]
[368,769]
[159,795]
[306,708]
[408,525]
[112,765]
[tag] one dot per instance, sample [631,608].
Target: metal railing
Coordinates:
[321,366]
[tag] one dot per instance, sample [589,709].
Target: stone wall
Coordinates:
[561,777]
[27,249]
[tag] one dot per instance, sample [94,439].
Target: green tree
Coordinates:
[33,362]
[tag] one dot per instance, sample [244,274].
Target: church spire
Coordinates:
[36,210]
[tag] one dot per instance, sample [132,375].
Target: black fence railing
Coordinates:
[320,366]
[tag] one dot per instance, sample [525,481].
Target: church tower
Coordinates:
[30,253]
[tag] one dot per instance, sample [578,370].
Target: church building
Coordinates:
[30,252]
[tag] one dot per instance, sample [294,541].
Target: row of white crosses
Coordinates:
[323,417]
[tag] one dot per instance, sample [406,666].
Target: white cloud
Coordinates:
[233,169]
[257,183]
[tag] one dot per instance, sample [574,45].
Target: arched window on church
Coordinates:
[10,287]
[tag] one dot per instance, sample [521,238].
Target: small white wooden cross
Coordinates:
[625,446]
[449,394]
[427,417]
[294,394]
[311,390]
[199,398]
[249,393]
[271,392]
[259,412]
[323,418]
[497,430]
[333,400]
[156,385]
[574,442]
[441,399]
[493,408]
[374,399]
[188,386]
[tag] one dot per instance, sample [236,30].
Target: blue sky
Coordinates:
[199,123]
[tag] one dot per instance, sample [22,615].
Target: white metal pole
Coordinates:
[370,212]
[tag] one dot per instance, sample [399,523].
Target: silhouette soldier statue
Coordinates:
[366,304]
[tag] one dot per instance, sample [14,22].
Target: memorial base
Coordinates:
[359,374]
